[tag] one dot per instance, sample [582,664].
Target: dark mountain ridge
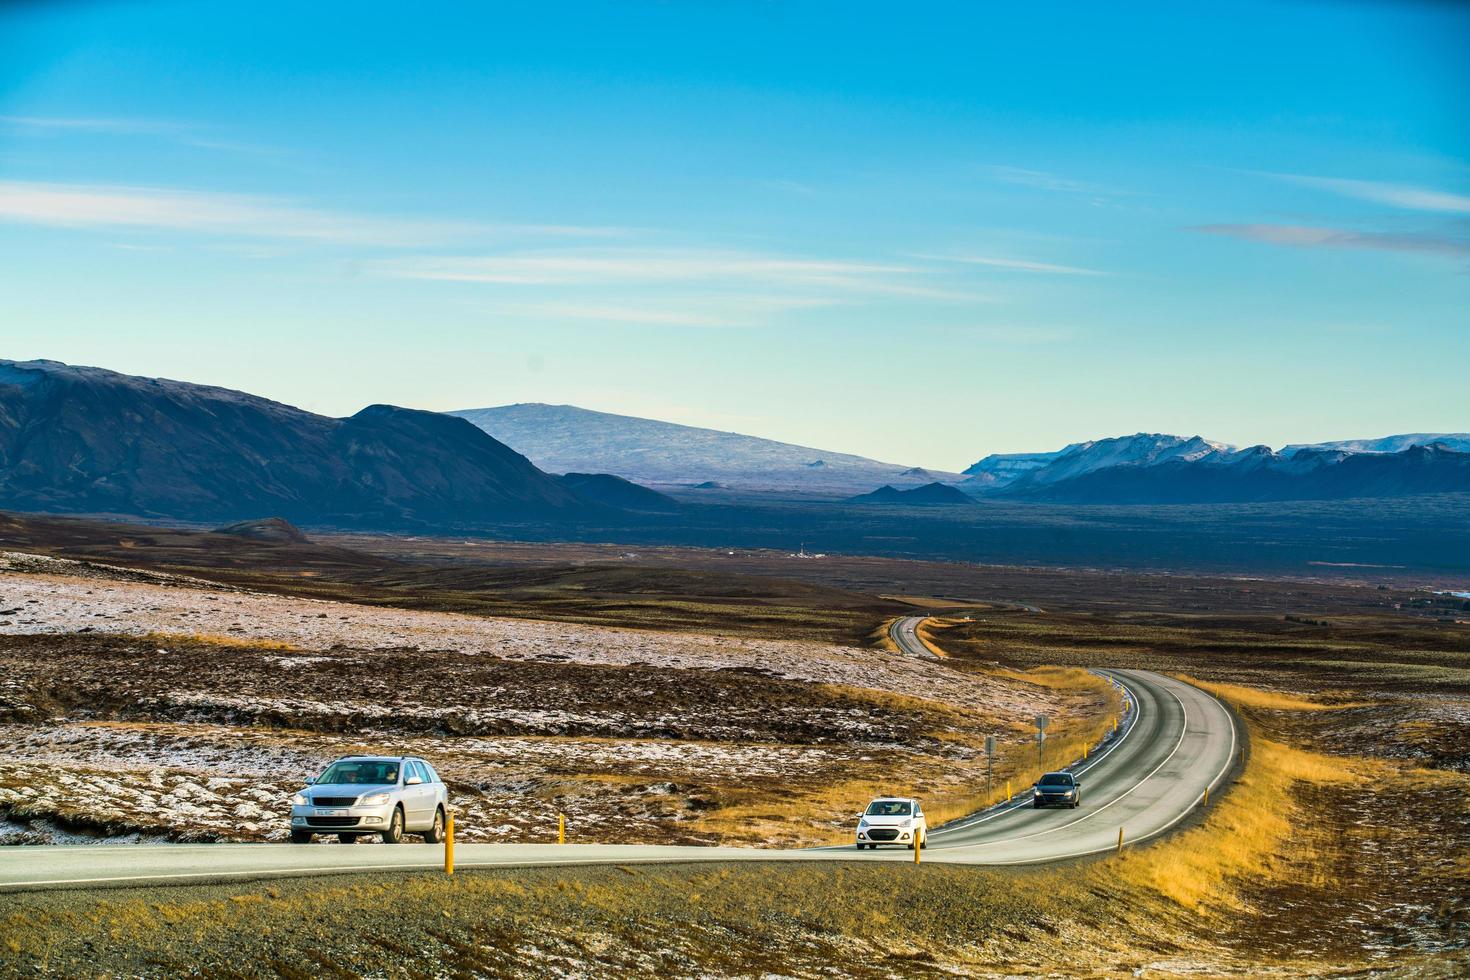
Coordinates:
[88,440]
[927,495]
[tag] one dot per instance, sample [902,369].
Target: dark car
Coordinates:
[1057,789]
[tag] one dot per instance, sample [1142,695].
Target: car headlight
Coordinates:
[376,799]
[299,800]
[908,825]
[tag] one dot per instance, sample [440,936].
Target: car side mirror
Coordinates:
[412,781]
[310,780]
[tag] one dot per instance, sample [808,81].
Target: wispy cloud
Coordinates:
[707,311]
[1405,196]
[619,266]
[1019,265]
[1042,180]
[87,206]
[1302,236]
[184,134]
[86,124]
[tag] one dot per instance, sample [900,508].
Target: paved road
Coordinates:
[1178,740]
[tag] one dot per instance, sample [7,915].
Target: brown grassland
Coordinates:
[1339,851]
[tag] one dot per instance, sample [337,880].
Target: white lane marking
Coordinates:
[1229,760]
[1184,730]
[1020,804]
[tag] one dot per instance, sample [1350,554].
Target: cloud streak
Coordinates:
[1042,180]
[621,266]
[1302,236]
[708,311]
[1403,196]
[163,209]
[1019,265]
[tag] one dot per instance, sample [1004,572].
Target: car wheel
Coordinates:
[394,833]
[301,836]
[435,834]
[1036,804]
[346,838]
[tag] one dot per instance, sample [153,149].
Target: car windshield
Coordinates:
[367,771]
[888,808]
[1057,779]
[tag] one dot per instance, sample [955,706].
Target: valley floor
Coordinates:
[140,704]
[168,709]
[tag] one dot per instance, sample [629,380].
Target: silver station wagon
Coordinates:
[360,795]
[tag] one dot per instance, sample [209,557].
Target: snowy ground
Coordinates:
[139,705]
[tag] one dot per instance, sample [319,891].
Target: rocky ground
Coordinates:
[139,705]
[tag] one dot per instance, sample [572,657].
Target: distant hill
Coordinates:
[930,493]
[267,529]
[1259,474]
[82,439]
[1458,441]
[614,491]
[564,438]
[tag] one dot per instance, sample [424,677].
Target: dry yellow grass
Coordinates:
[215,639]
[1247,834]
[1254,697]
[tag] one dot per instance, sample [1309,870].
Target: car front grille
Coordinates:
[333,800]
[883,833]
[331,821]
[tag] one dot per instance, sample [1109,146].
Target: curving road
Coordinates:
[1178,741]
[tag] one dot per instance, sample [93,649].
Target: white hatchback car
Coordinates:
[892,820]
[372,794]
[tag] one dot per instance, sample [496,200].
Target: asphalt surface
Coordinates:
[1176,741]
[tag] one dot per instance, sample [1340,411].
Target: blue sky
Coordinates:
[916,232]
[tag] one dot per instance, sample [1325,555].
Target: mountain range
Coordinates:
[1259,474]
[88,440]
[83,439]
[564,438]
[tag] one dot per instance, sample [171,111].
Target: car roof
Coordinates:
[377,758]
[896,799]
[1058,773]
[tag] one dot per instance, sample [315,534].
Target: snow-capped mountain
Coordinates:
[998,469]
[1020,470]
[1259,474]
[1458,441]
[564,438]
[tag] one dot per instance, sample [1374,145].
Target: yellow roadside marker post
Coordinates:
[561,828]
[1206,801]
[1084,753]
[1120,840]
[918,844]
[1008,791]
[449,844]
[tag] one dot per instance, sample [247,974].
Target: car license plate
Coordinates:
[330,813]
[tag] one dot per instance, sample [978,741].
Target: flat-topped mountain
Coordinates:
[83,439]
[1458,441]
[564,438]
